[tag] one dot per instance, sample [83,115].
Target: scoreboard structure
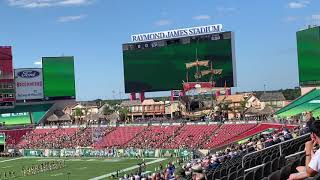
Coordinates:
[164,64]
[308,45]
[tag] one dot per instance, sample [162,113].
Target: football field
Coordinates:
[78,168]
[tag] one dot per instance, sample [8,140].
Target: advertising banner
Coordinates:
[2,139]
[29,84]
[30,152]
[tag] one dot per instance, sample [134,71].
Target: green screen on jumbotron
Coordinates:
[58,77]
[161,65]
[308,45]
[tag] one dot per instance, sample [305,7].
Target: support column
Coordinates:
[133,96]
[228,92]
[217,93]
[142,97]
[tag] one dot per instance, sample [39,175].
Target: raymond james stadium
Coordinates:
[199,129]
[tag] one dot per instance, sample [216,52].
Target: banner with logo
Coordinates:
[2,138]
[31,152]
[29,84]
[150,153]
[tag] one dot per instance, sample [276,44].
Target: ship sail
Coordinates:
[197,63]
[213,71]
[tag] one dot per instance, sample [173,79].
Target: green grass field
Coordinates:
[79,168]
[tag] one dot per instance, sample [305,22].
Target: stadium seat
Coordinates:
[285,172]
[258,173]
[210,176]
[266,159]
[258,160]
[232,169]
[249,176]
[267,169]
[223,172]
[247,164]
[240,178]
[252,163]
[275,175]
[224,178]
[275,164]
[232,176]
[217,174]
[240,172]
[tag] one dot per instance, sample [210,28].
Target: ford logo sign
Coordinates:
[28,74]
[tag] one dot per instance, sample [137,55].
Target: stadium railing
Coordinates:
[276,146]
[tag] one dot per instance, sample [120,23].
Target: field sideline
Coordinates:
[78,168]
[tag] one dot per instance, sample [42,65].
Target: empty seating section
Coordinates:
[120,136]
[226,133]
[190,136]
[153,137]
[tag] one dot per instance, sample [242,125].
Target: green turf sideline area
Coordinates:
[127,169]
[79,168]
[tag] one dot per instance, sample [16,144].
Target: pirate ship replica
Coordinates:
[195,107]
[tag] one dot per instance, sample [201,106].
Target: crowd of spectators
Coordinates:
[164,173]
[154,137]
[198,167]
[63,138]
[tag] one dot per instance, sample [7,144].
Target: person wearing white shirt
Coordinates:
[312,167]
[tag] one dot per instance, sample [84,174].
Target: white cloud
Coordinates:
[163,22]
[298,4]
[64,19]
[46,3]
[201,17]
[38,63]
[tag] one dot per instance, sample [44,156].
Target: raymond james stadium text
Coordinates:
[177,33]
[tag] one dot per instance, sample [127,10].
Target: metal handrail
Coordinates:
[253,168]
[292,155]
[287,157]
[279,144]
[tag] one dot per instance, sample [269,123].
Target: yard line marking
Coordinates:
[82,168]
[11,159]
[6,167]
[127,169]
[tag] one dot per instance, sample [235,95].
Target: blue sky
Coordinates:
[93,31]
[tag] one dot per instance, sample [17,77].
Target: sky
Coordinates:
[94,30]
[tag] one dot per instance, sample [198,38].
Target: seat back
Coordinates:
[249,176]
[258,173]
[275,164]
[275,175]
[267,169]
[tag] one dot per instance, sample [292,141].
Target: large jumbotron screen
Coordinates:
[58,77]
[161,65]
[308,44]
[15,118]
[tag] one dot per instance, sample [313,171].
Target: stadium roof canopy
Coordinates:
[308,102]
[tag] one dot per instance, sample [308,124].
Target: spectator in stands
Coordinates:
[312,167]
